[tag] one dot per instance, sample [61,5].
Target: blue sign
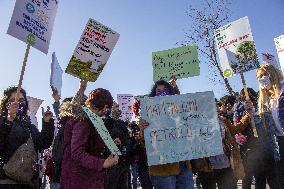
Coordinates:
[182,127]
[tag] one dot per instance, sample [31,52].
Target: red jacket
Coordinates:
[82,164]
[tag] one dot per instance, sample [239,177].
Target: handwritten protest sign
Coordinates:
[182,127]
[279,42]
[34,105]
[236,47]
[32,22]
[98,123]
[92,51]
[125,102]
[56,74]
[181,62]
[269,59]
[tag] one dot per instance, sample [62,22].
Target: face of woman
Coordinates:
[263,80]
[22,103]
[13,97]
[160,89]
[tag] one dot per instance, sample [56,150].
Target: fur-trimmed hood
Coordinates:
[71,109]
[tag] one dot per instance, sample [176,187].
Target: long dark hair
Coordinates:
[166,84]
[7,94]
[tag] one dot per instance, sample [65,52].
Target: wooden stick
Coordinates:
[248,99]
[22,73]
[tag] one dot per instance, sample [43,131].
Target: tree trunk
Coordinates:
[227,84]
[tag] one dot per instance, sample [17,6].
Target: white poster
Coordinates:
[92,51]
[125,102]
[279,42]
[236,47]
[32,22]
[34,105]
[56,74]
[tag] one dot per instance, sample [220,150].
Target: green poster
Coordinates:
[180,62]
[98,123]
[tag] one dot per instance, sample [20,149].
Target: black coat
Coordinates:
[14,134]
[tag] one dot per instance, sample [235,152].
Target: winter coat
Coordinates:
[14,134]
[264,147]
[83,158]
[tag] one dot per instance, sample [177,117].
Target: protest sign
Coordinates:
[33,21]
[279,42]
[236,47]
[180,62]
[182,127]
[125,102]
[92,51]
[34,105]
[56,74]
[98,123]
[268,58]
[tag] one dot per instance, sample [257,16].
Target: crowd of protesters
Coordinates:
[75,157]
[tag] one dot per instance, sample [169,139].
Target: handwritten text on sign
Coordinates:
[36,18]
[182,127]
[92,51]
[181,62]
[98,123]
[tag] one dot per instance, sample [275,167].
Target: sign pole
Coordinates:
[248,99]
[30,42]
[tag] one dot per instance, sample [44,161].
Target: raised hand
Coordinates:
[47,115]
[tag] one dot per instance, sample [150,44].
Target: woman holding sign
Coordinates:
[84,162]
[20,141]
[174,175]
[271,96]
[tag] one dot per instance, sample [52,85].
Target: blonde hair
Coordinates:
[276,78]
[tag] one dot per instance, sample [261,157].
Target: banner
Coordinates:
[182,127]
[236,47]
[279,42]
[269,59]
[34,105]
[125,102]
[98,123]
[56,74]
[92,51]
[32,22]
[180,62]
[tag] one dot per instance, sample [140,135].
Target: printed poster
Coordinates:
[93,51]
[279,42]
[236,47]
[125,102]
[32,22]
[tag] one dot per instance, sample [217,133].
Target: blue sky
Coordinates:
[144,27]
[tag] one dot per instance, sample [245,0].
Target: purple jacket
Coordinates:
[82,164]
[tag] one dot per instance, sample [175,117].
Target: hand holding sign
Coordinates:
[110,161]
